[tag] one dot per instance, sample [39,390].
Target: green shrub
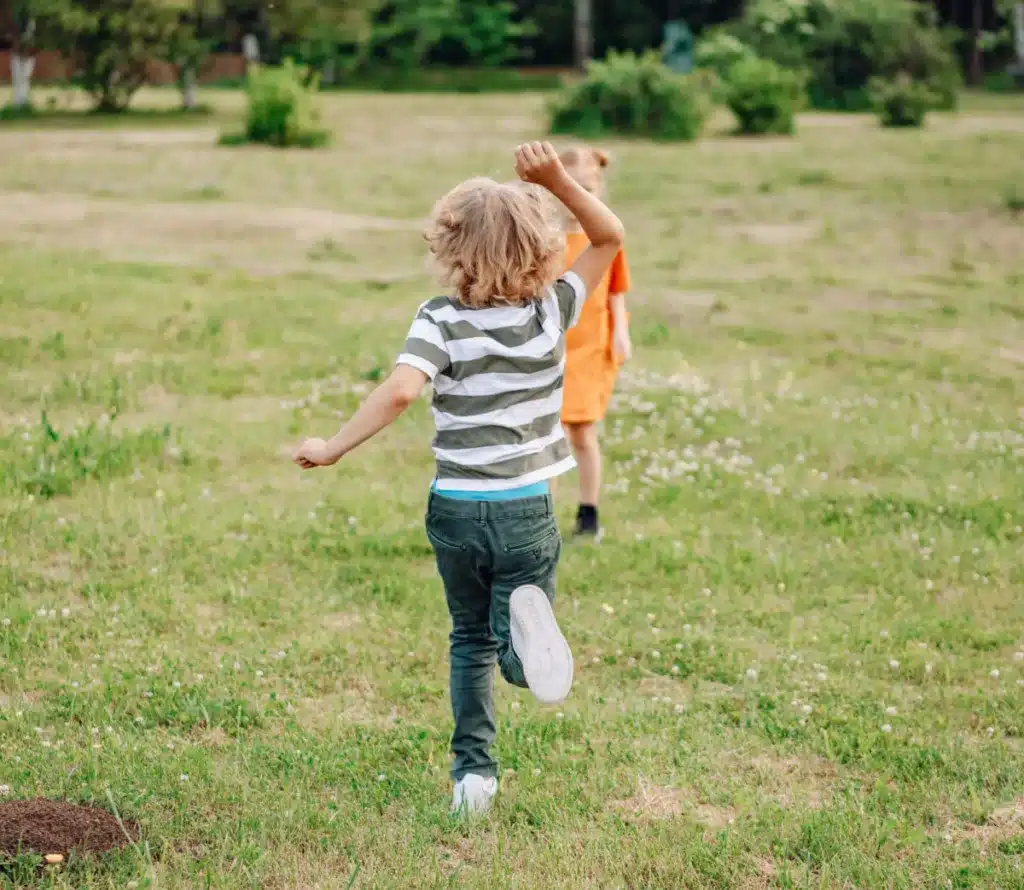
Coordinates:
[845,45]
[902,101]
[764,96]
[719,51]
[282,109]
[634,96]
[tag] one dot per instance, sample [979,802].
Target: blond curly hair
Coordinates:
[496,244]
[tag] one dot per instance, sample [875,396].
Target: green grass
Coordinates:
[798,647]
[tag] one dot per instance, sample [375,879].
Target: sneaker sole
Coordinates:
[547,661]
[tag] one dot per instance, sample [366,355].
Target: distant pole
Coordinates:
[583,42]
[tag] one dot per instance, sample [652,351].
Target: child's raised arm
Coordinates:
[538,162]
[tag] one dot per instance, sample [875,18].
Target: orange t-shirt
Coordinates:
[590,363]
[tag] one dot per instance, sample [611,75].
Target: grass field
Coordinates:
[800,648]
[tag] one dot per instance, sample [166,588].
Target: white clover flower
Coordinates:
[994,673]
[751,674]
[894,664]
[891,711]
[807,709]
[886,727]
[884,634]
[608,610]
[183,777]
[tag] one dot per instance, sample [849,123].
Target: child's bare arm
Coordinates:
[622,343]
[382,407]
[539,163]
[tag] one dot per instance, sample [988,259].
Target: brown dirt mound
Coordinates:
[52,826]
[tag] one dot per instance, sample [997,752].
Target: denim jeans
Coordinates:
[485,550]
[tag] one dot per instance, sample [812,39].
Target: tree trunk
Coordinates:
[583,42]
[1018,37]
[189,88]
[251,50]
[21,79]
[975,69]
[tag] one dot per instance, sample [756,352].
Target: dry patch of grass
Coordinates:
[659,802]
[262,239]
[1005,823]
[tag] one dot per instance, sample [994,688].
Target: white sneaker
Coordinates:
[546,657]
[473,795]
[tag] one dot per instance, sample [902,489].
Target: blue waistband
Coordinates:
[538,489]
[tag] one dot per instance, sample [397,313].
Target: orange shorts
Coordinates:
[590,364]
[590,374]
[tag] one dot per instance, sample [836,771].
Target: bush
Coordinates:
[843,46]
[902,101]
[719,51]
[634,96]
[764,96]
[282,109]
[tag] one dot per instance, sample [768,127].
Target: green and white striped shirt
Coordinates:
[498,375]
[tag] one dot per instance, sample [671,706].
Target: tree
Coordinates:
[319,29]
[111,42]
[20,25]
[191,42]
[583,32]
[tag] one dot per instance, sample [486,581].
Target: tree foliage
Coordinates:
[845,44]
[111,42]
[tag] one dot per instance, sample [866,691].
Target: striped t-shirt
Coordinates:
[497,375]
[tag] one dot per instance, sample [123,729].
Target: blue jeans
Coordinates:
[485,550]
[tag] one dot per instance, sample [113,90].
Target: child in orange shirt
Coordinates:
[595,349]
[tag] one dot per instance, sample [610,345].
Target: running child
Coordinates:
[495,353]
[596,348]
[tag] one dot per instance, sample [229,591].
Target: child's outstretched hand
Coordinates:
[314,453]
[538,162]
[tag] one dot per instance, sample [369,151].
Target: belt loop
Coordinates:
[482,510]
